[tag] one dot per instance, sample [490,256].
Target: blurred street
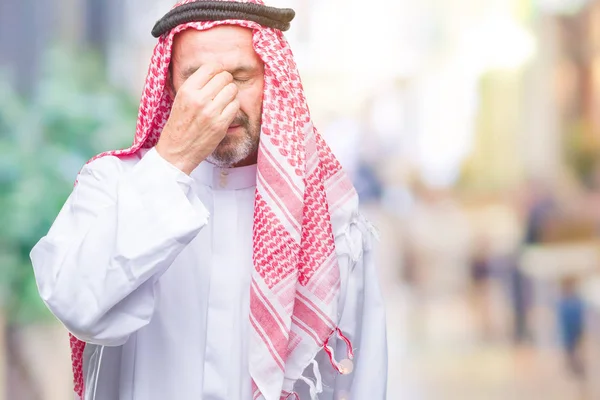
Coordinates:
[437,350]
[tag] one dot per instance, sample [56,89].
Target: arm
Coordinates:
[116,234]
[363,321]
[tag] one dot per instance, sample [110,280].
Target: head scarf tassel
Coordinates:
[300,189]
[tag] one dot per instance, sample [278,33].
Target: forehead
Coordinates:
[229,45]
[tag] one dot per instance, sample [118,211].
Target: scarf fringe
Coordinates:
[316,387]
[343,367]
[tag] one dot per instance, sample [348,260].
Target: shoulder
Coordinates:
[106,166]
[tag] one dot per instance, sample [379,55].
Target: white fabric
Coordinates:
[154,266]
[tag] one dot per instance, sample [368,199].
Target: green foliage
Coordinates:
[44,141]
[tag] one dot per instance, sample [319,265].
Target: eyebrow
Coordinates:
[242,69]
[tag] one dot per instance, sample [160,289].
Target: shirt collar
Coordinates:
[225,178]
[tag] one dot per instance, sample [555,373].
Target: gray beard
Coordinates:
[229,153]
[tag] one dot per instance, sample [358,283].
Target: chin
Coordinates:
[233,150]
[225,159]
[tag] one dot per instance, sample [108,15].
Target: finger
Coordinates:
[229,112]
[216,85]
[203,75]
[224,97]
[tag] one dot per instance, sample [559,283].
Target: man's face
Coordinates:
[230,46]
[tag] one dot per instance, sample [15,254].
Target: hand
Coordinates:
[203,109]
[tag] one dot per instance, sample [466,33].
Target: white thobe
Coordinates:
[152,268]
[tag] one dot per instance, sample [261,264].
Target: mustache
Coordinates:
[241,119]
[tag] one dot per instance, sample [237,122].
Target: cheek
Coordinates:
[251,101]
[173,87]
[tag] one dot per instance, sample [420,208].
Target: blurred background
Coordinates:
[470,127]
